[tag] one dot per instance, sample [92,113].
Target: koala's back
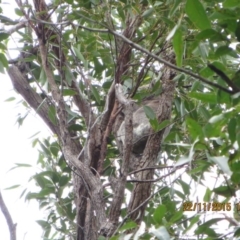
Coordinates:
[141,127]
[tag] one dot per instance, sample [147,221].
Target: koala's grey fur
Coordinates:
[141,127]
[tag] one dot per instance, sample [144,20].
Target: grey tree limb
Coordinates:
[7,215]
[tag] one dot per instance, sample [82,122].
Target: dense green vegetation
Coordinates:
[85,47]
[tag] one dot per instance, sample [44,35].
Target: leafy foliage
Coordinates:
[203,144]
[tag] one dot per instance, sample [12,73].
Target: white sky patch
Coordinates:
[16,148]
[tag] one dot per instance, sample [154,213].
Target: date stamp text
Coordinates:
[206,206]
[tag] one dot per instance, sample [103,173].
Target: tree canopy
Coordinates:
[94,71]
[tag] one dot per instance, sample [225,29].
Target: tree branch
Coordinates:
[161,60]
[118,196]
[15,28]
[40,105]
[11,225]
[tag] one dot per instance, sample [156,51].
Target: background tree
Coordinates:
[81,65]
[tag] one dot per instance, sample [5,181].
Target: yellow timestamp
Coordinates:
[203,206]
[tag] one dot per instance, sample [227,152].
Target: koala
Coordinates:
[141,127]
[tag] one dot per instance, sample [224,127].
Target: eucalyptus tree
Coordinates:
[142,98]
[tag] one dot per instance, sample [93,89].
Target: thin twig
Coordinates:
[161,60]
[155,180]
[149,168]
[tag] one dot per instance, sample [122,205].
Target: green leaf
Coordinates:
[236,78]
[96,94]
[46,192]
[232,125]
[10,99]
[222,163]
[23,165]
[31,195]
[206,72]
[193,221]
[225,191]
[80,56]
[3,36]
[69,1]
[163,125]
[178,46]
[225,50]
[6,20]
[3,60]
[238,139]
[185,159]
[69,92]
[2,68]
[237,32]
[172,32]
[180,194]
[154,124]
[68,76]
[115,237]
[235,177]
[205,97]
[231,3]
[148,13]
[13,187]
[237,232]
[64,180]
[194,128]
[174,8]
[234,162]
[204,113]
[149,112]
[205,227]
[42,77]
[52,115]
[211,35]
[216,118]
[102,238]
[54,148]
[128,225]
[223,97]
[182,160]
[19,165]
[197,14]
[43,224]
[159,214]
[18,12]
[23,192]
[176,217]
[207,196]
[185,187]
[40,180]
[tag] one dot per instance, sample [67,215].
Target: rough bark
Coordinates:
[142,190]
[40,105]
[92,218]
